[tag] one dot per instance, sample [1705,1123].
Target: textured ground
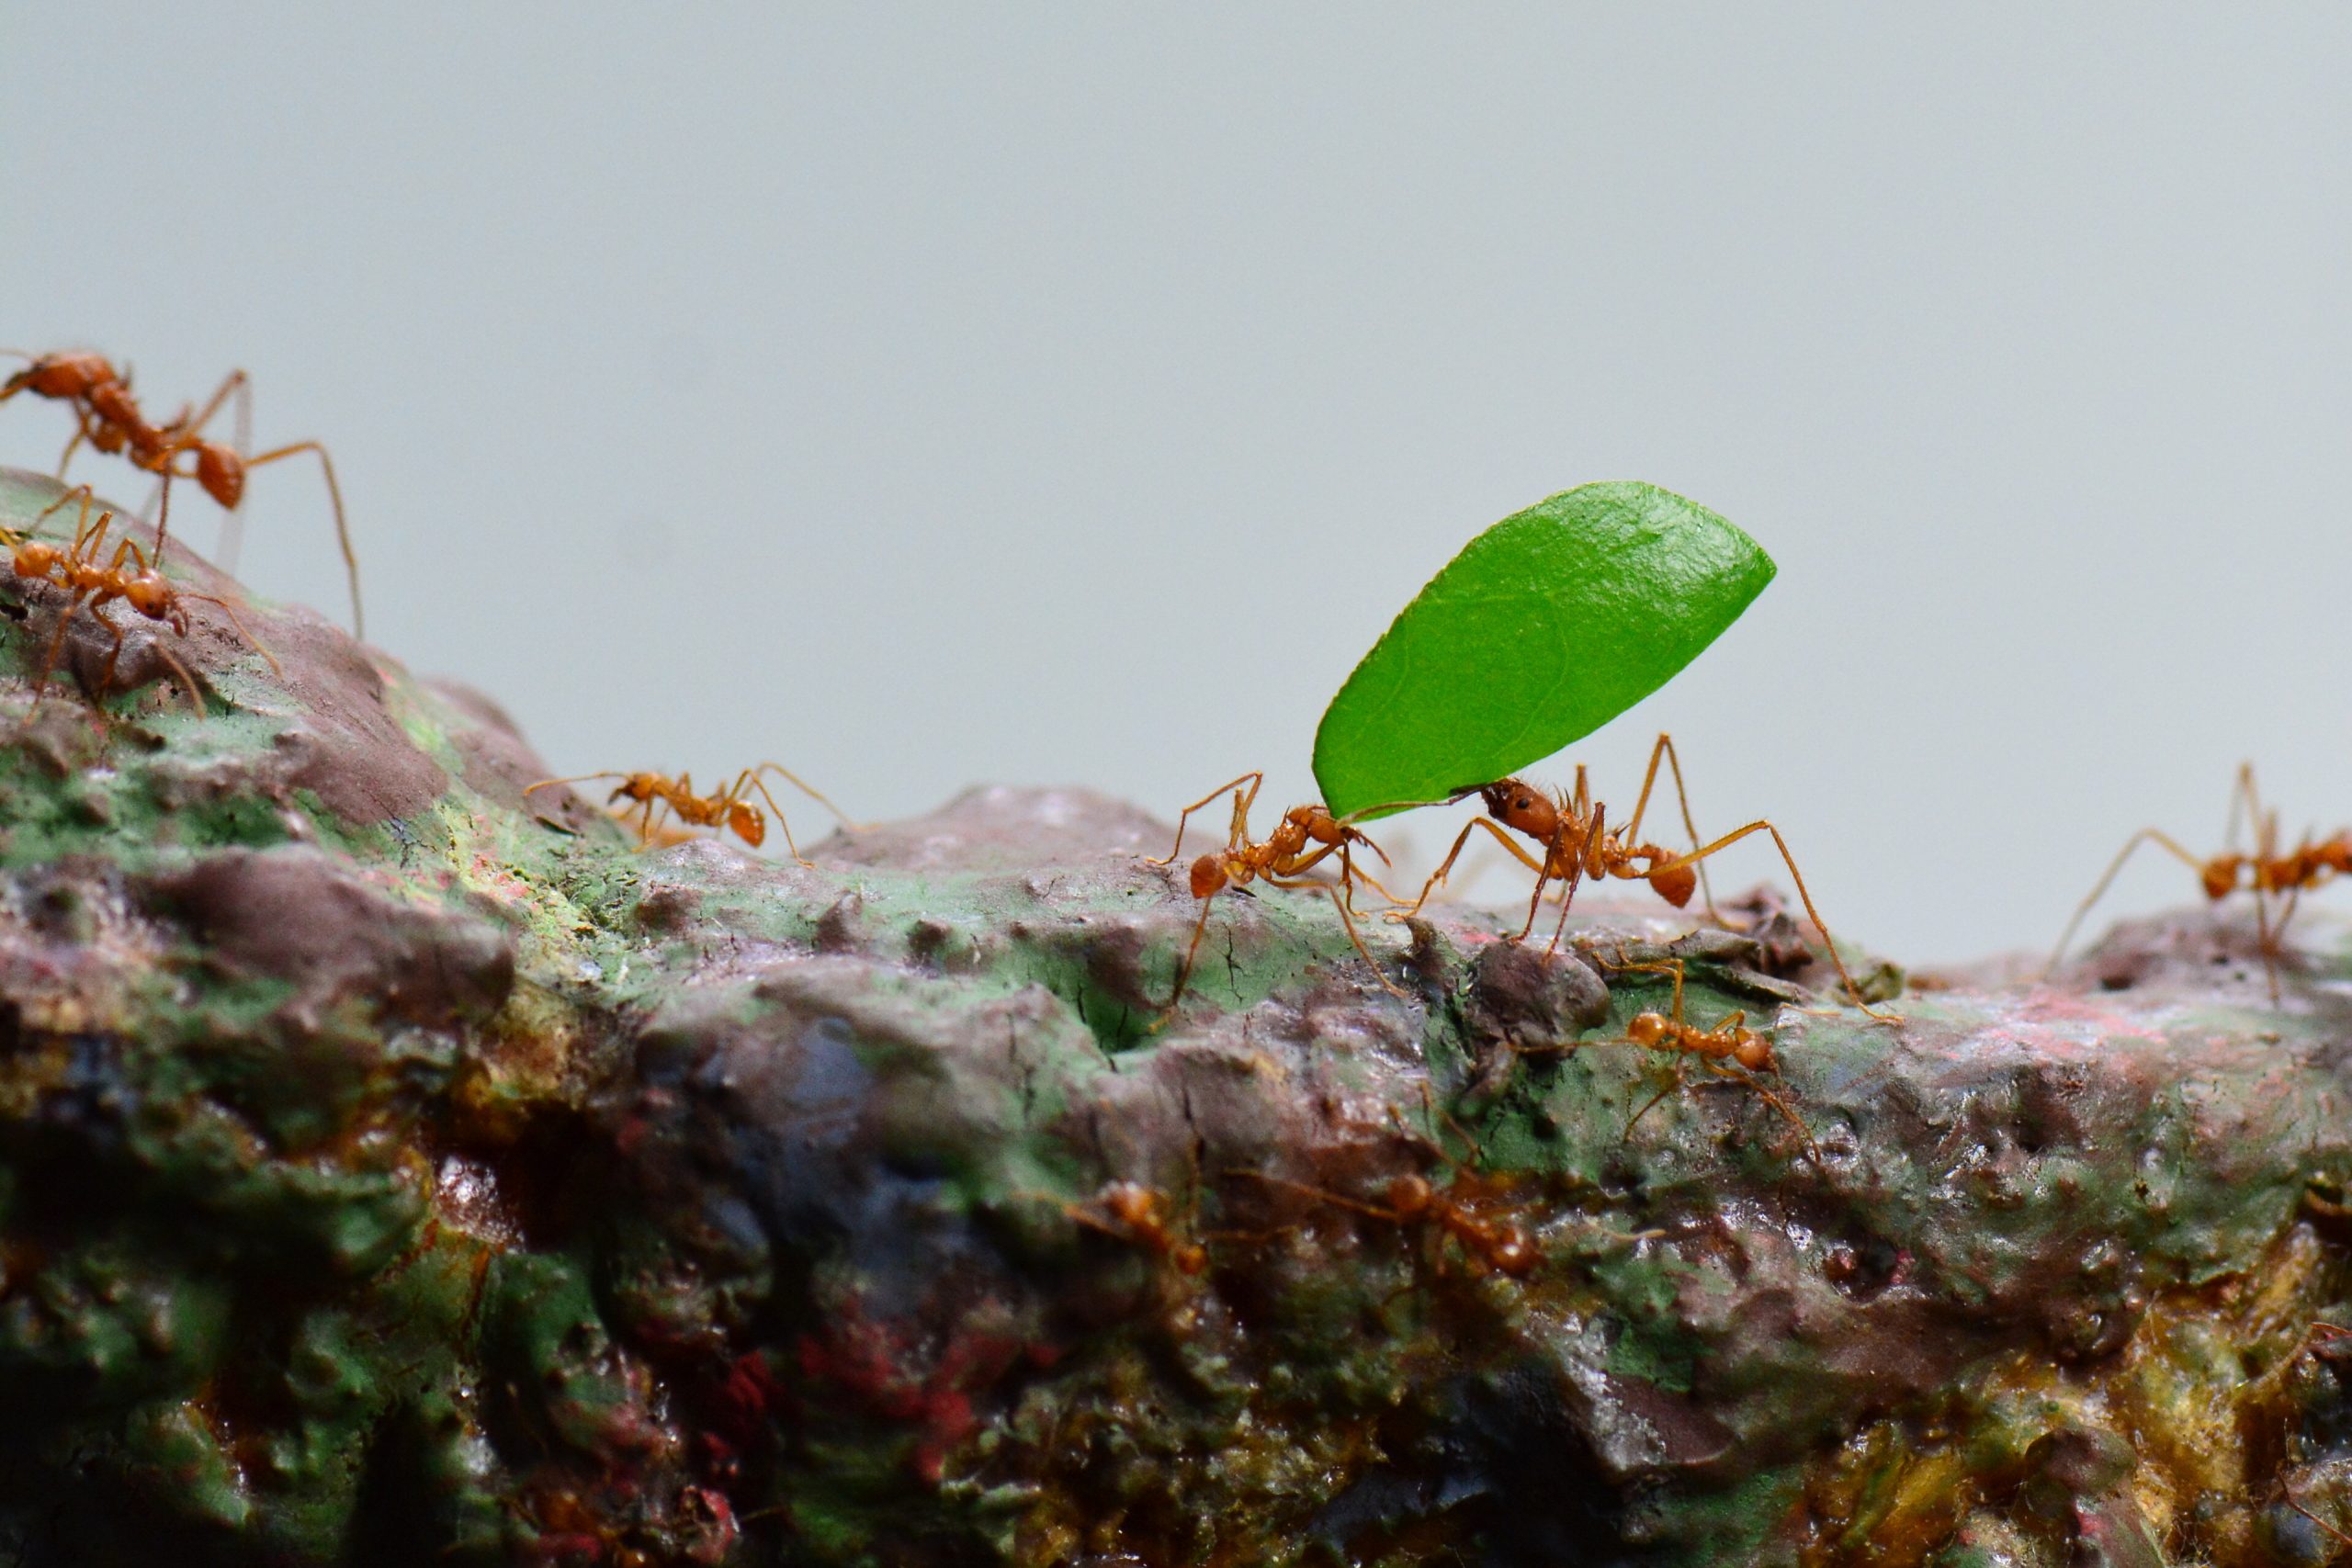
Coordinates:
[392,1170]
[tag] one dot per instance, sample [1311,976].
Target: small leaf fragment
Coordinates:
[1546,626]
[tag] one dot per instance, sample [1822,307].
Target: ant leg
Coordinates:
[342,528]
[1184,970]
[114,654]
[1762,825]
[576,778]
[162,515]
[2146,835]
[2241,793]
[1567,897]
[48,659]
[1323,1193]
[1732,1070]
[1351,874]
[1241,808]
[233,382]
[187,679]
[88,499]
[1345,919]
[242,630]
[1651,1103]
[1501,837]
[802,785]
[187,429]
[1665,748]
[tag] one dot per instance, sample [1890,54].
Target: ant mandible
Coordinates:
[729,810]
[2265,870]
[1571,828]
[143,587]
[108,416]
[1280,862]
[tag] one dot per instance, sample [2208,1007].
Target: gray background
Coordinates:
[1046,393]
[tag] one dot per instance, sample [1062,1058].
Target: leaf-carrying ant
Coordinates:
[729,810]
[1280,862]
[129,574]
[108,416]
[1730,1049]
[2265,870]
[1572,830]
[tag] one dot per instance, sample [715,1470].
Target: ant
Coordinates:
[2265,870]
[1572,830]
[731,810]
[108,416]
[1499,1245]
[1730,1049]
[1279,862]
[1502,1246]
[1138,1215]
[142,586]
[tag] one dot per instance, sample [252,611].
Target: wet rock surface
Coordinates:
[396,1170]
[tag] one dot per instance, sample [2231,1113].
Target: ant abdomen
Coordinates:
[1675,884]
[220,472]
[1208,875]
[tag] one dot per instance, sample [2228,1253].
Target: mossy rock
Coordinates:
[395,1169]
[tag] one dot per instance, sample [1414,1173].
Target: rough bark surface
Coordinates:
[396,1170]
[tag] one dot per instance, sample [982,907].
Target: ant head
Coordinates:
[1755,1053]
[1192,1260]
[750,823]
[220,471]
[1647,1028]
[1518,805]
[1408,1194]
[2219,875]
[1675,884]
[149,593]
[62,375]
[1208,875]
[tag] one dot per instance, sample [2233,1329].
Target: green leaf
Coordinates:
[1546,626]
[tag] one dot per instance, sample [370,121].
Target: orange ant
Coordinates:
[1279,862]
[143,587]
[1138,1215]
[2265,870]
[731,810]
[1730,1049]
[108,416]
[1571,828]
[1502,1246]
